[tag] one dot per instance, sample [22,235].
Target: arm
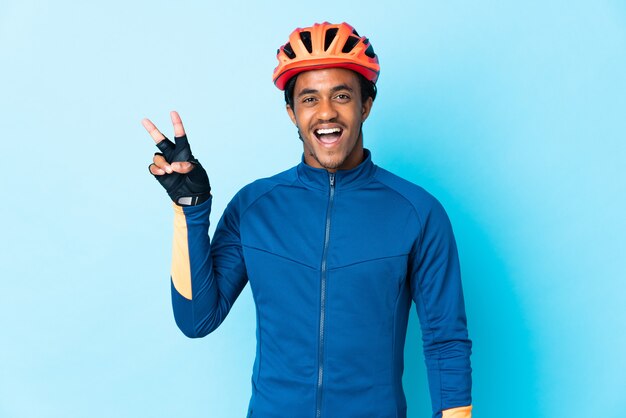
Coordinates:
[207,277]
[438,295]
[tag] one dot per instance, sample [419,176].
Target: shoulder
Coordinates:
[430,213]
[252,192]
[422,201]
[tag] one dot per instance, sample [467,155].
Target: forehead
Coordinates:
[326,79]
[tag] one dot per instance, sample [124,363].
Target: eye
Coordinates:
[342,97]
[308,100]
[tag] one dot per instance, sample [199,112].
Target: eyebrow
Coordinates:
[333,90]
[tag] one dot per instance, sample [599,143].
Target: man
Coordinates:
[335,249]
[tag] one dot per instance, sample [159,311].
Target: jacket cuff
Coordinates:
[460,412]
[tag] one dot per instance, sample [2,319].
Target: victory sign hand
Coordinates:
[175,167]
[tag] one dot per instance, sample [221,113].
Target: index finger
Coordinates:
[179,130]
[153,131]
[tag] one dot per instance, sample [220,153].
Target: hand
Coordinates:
[182,176]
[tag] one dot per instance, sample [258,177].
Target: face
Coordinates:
[328,111]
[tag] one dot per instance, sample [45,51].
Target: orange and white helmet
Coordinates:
[325,45]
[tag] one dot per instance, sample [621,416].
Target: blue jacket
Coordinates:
[334,262]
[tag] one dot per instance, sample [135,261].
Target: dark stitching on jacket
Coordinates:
[367,261]
[280,256]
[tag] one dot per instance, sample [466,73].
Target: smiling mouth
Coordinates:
[328,136]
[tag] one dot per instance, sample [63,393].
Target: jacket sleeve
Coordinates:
[207,277]
[438,295]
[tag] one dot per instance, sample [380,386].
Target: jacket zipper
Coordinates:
[320,370]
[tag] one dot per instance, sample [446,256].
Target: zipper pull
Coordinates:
[332,179]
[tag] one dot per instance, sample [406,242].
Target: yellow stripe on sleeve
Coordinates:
[460,412]
[181,271]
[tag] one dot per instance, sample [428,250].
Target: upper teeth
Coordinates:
[327,131]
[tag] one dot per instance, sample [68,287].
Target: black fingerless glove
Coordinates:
[187,189]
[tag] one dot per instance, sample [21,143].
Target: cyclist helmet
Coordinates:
[325,45]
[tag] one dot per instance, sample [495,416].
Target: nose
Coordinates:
[326,110]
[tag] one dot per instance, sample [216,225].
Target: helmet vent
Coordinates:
[305,36]
[354,32]
[350,44]
[329,37]
[289,51]
[370,51]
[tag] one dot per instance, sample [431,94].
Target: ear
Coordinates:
[291,114]
[365,108]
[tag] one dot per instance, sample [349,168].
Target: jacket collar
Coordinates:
[319,178]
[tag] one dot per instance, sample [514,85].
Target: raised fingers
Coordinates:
[179,130]
[156,135]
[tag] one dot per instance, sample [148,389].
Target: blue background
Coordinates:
[511,113]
